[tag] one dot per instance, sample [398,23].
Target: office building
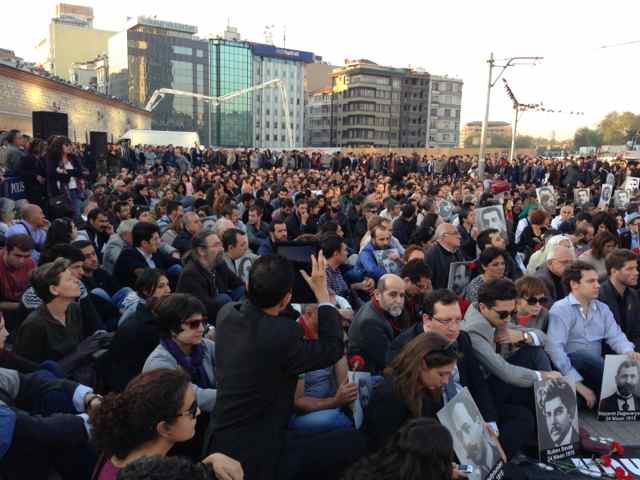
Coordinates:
[366,105]
[444,112]
[231,71]
[414,108]
[70,39]
[318,117]
[269,127]
[471,131]
[151,54]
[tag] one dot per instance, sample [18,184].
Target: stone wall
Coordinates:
[22,93]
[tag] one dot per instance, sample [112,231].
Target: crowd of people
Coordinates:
[151,326]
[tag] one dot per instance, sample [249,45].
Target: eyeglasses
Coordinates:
[533,300]
[191,412]
[506,314]
[449,350]
[194,324]
[448,322]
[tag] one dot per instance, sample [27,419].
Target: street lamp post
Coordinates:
[490,84]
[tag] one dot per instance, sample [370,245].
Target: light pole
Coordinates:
[492,63]
[517,108]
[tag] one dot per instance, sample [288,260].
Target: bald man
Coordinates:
[441,255]
[34,224]
[378,322]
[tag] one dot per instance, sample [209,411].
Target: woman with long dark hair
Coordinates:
[422,449]
[412,388]
[63,177]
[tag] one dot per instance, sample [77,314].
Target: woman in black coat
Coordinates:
[412,389]
[31,170]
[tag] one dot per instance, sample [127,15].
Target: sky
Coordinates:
[445,37]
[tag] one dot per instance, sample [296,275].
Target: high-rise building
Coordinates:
[70,39]
[414,109]
[151,54]
[231,70]
[318,117]
[366,105]
[444,112]
[271,62]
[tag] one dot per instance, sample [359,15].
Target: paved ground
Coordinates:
[627,433]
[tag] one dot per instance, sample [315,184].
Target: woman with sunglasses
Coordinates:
[157,410]
[180,319]
[412,387]
[532,303]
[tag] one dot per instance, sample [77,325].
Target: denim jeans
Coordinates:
[321,421]
[591,366]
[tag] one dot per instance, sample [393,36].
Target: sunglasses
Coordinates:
[504,314]
[191,412]
[194,324]
[533,300]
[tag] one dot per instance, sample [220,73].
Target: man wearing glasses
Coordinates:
[489,324]
[445,252]
[441,314]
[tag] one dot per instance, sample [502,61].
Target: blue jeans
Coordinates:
[117,298]
[321,421]
[590,366]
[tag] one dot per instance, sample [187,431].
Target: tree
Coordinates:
[587,137]
[618,128]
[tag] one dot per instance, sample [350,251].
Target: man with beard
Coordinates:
[624,399]
[559,408]
[380,241]
[207,276]
[377,323]
[474,436]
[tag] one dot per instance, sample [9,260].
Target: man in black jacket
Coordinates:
[208,277]
[259,356]
[191,227]
[441,314]
[443,254]
[97,231]
[620,294]
[301,221]
[551,273]
[143,254]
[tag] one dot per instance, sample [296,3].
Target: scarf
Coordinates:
[192,364]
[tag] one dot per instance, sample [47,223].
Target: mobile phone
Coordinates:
[468,469]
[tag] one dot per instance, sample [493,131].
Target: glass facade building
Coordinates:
[231,70]
[151,54]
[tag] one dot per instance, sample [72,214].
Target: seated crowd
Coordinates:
[147,337]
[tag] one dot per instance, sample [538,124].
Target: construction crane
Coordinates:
[159,94]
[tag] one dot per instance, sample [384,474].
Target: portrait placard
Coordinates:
[621,199]
[547,199]
[557,415]
[620,395]
[581,196]
[605,195]
[459,276]
[472,442]
[363,381]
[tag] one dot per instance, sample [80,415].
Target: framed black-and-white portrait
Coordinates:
[620,392]
[383,258]
[557,415]
[491,217]
[581,196]
[547,199]
[621,199]
[631,184]
[365,389]
[472,442]
[459,276]
[445,210]
[606,192]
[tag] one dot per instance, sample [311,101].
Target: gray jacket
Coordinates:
[112,251]
[241,266]
[161,358]
[482,335]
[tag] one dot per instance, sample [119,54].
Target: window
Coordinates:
[182,50]
[200,53]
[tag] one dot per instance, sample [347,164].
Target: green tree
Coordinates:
[618,128]
[587,137]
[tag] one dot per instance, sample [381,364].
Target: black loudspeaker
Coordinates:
[46,124]
[98,144]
